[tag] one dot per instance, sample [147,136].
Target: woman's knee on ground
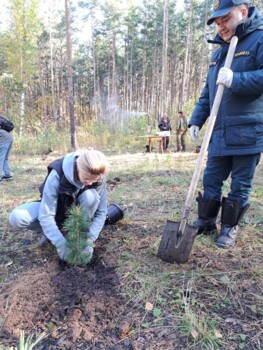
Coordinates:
[24,215]
[89,201]
[16,219]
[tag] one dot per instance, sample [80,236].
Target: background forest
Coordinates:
[128,62]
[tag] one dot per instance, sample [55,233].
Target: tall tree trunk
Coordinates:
[131,79]
[200,80]
[61,95]
[70,78]
[99,100]
[153,93]
[163,94]
[113,66]
[22,113]
[23,74]
[53,111]
[94,71]
[185,79]
[143,90]
[127,81]
[42,89]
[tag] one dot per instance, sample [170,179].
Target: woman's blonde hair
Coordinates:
[92,162]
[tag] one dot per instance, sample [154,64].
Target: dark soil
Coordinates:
[78,307]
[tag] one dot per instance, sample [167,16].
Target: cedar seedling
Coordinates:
[76,226]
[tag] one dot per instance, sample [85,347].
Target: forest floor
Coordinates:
[127,298]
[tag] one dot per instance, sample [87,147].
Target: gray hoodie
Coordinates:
[48,205]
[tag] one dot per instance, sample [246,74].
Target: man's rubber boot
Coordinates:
[207,214]
[230,218]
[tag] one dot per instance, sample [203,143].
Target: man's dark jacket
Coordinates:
[239,125]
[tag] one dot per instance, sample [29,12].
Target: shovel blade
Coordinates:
[176,246]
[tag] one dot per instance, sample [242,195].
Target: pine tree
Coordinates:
[76,226]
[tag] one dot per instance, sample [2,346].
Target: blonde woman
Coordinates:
[78,178]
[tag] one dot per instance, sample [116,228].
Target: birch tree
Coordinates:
[20,46]
[70,78]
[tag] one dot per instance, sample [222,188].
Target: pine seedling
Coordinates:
[76,226]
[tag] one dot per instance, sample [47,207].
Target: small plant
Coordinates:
[29,343]
[76,225]
[25,343]
[242,343]
[202,332]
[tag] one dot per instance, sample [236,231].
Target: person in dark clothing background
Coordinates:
[165,125]
[237,139]
[181,129]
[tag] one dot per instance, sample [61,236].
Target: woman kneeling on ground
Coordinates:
[78,178]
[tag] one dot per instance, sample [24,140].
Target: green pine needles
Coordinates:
[80,248]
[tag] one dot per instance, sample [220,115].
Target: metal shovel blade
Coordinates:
[176,246]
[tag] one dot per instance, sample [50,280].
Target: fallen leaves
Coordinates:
[148,306]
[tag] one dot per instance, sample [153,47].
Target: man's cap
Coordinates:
[223,7]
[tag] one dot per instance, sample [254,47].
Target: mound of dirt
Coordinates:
[77,305]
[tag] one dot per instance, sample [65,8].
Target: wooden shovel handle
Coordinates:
[207,136]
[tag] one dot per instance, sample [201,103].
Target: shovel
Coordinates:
[178,237]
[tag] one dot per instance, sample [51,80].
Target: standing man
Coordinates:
[6,141]
[237,139]
[165,125]
[181,129]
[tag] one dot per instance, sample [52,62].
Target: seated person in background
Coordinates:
[165,125]
[78,178]
[181,129]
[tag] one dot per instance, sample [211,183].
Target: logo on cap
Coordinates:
[216,5]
